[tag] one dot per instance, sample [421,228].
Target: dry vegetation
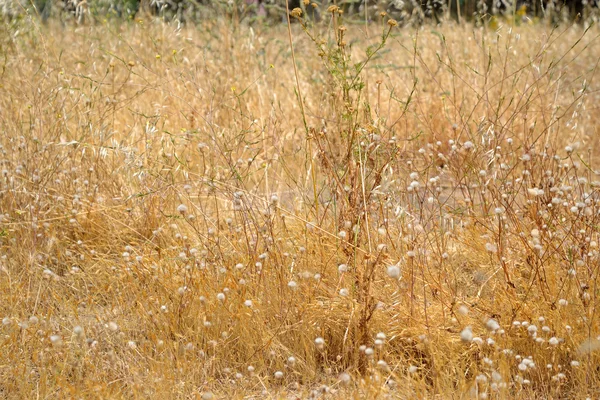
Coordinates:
[176,223]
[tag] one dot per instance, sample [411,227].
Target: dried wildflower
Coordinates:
[394,272]
[56,340]
[296,12]
[492,325]
[320,343]
[466,335]
[78,331]
[392,22]
[345,378]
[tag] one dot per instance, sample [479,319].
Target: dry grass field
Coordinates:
[384,212]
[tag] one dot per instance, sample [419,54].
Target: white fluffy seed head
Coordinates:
[394,272]
[182,208]
[56,340]
[463,310]
[492,325]
[320,343]
[466,335]
[345,378]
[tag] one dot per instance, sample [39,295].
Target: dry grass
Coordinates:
[156,180]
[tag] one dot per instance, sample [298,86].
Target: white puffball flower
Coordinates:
[182,208]
[342,268]
[278,375]
[56,340]
[344,292]
[563,302]
[492,248]
[113,326]
[320,343]
[492,325]
[221,297]
[553,341]
[292,285]
[532,329]
[535,192]
[248,303]
[345,378]
[466,335]
[394,272]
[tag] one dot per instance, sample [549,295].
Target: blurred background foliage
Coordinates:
[273,11]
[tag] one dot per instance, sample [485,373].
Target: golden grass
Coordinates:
[110,288]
